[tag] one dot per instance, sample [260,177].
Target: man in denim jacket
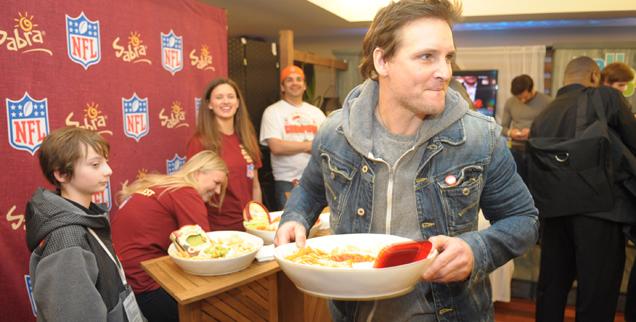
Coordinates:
[405,156]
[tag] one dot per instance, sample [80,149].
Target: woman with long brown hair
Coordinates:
[224,126]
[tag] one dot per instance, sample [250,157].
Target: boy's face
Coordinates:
[90,174]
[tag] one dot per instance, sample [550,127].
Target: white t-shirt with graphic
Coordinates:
[287,122]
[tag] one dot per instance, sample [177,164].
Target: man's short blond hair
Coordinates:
[383,32]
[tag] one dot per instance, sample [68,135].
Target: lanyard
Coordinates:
[122,275]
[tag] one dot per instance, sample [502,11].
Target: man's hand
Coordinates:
[289,232]
[454,263]
[519,134]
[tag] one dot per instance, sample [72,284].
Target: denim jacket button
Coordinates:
[466,191]
[427,224]
[360,212]
[432,146]
[365,169]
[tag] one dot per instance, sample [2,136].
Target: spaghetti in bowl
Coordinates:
[341,267]
[230,251]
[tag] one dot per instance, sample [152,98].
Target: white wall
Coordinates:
[548,37]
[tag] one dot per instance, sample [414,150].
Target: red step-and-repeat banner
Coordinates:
[130,70]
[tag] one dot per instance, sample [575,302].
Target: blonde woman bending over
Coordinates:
[154,206]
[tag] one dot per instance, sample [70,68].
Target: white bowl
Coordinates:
[218,266]
[266,235]
[355,283]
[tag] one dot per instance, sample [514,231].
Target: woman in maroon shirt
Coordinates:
[224,126]
[154,206]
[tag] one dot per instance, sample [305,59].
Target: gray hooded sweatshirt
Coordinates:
[73,277]
[394,204]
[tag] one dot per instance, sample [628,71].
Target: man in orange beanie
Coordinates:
[287,128]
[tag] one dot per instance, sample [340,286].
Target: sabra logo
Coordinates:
[103,198]
[177,116]
[171,52]
[174,164]
[25,36]
[136,121]
[203,61]
[83,40]
[28,122]
[135,50]
[94,120]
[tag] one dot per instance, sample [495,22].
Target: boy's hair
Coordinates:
[383,32]
[63,147]
[616,72]
[521,84]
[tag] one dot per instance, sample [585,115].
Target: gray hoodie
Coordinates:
[73,277]
[394,205]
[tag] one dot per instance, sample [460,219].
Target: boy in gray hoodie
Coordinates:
[76,274]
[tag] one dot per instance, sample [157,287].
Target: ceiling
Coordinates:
[264,18]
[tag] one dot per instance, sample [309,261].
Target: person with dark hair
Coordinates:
[75,273]
[288,127]
[587,246]
[405,156]
[519,112]
[617,75]
[224,126]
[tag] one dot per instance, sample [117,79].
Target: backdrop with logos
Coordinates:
[130,70]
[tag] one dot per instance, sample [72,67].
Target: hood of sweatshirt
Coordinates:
[359,108]
[47,211]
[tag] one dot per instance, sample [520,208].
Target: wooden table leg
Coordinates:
[190,312]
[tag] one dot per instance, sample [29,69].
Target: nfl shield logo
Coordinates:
[103,198]
[174,164]
[171,52]
[82,39]
[28,123]
[136,124]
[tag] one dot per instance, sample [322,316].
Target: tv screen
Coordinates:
[481,86]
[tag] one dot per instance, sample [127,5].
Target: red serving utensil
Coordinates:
[402,253]
[255,209]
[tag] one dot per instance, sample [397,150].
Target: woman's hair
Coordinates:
[65,146]
[208,127]
[184,177]
[384,30]
[616,72]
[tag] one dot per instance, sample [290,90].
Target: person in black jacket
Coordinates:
[588,247]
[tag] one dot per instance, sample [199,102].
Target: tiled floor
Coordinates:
[522,310]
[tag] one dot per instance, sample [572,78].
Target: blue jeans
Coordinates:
[280,188]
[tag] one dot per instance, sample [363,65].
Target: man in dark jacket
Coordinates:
[590,246]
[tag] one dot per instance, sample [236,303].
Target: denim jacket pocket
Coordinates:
[337,176]
[460,199]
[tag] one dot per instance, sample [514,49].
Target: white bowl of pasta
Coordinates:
[314,271]
[231,252]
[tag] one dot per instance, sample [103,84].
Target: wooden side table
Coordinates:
[260,292]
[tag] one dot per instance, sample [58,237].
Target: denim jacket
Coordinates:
[342,174]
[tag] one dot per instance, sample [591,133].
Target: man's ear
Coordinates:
[61,178]
[595,78]
[380,64]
